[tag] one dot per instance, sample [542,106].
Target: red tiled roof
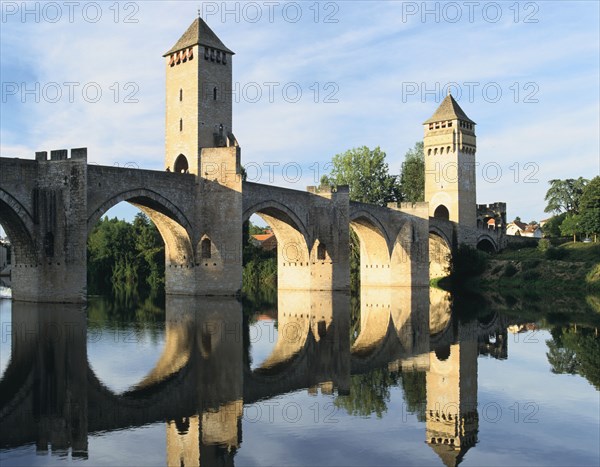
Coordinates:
[262,237]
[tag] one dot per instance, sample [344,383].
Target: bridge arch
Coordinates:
[487,244]
[172,224]
[374,249]
[293,255]
[439,253]
[19,227]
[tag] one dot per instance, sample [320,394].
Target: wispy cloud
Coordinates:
[369,53]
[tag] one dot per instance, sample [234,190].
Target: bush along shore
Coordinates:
[571,268]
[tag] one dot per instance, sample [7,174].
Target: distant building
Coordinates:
[520,229]
[266,241]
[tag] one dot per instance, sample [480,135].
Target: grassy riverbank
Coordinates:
[571,268]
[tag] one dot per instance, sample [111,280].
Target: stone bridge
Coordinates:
[49,207]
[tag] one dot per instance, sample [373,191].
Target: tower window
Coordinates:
[206,53]
[449,124]
[205,247]
[429,152]
[180,95]
[431,126]
[181,164]
[181,124]
[224,58]
[215,93]
[218,56]
[441,212]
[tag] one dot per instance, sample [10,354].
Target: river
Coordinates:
[399,377]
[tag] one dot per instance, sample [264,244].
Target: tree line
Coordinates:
[124,255]
[575,204]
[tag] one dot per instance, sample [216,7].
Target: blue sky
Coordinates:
[364,70]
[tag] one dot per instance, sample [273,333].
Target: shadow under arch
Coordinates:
[486,244]
[173,225]
[19,227]
[293,256]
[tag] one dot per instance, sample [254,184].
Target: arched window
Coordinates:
[181,124]
[441,212]
[321,252]
[215,94]
[181,164]
[205,246]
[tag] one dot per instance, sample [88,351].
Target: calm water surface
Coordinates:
[403,377]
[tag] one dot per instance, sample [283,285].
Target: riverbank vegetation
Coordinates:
[125,255]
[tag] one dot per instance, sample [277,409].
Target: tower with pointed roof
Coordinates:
[449,147]
[198,97]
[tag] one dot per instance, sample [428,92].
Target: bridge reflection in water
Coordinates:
[50,395]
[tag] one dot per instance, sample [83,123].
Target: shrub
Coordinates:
[544,244]
[555,253]
[467,262]
[530,264]
[531,275]
[510,270]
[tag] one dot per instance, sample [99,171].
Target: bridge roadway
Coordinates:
[49,206]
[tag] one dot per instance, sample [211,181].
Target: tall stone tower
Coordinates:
[199,141]
[198,100]
[449,149]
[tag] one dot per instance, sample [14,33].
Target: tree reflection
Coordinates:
[370,392]
[574,350]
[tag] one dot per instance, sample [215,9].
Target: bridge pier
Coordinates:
[50,237]
[329,258]
[211,262]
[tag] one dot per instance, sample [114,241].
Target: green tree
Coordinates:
[366,173]
[589,205]
[125,255]
[412,179]
[150,251]
[570,226]
[552,226]
[564,195]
